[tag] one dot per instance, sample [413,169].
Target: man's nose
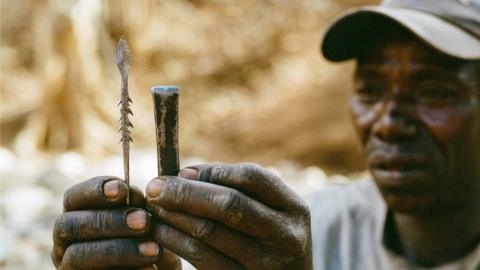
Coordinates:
[395,122]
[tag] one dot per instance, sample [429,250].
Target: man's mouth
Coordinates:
[398,163]
[398,170]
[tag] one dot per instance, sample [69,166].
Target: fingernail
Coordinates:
[189,173]
[110,189]
[149,249]
[155,188]
[137,220]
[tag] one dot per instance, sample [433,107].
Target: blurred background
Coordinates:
[254,87]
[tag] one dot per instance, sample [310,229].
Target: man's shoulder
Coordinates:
[347,209]
[347,220]
[357,197]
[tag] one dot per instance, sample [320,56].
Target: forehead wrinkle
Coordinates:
[401,58]
[390,60]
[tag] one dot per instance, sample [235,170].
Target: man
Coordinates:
[416,107]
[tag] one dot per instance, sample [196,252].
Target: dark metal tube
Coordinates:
[165,101]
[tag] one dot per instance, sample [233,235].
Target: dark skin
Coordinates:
[418,116]
[238,216]
[216,216]
[99,231]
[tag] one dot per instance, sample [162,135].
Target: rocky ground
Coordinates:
[32,190]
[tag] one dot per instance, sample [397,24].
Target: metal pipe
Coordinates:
[165,101]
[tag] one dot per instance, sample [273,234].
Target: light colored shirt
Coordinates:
[348,221]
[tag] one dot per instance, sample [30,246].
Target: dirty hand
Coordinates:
[219,216]
[99,231]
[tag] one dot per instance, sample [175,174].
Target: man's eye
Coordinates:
[436,94]
[369,93]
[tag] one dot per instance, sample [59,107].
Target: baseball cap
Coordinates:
[451,27]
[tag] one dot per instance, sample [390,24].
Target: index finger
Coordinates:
[252,180]
[225,205]
[101,192]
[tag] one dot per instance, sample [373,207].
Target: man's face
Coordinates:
[417,114]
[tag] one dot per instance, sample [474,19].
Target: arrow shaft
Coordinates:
[123,58]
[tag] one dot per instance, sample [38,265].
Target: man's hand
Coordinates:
[99,231]
[234,217]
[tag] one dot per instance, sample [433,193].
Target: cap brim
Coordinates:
[353,29]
